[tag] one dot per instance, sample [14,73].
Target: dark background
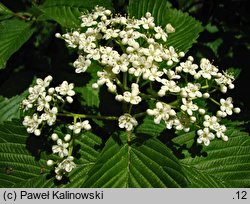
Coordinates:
[225,41]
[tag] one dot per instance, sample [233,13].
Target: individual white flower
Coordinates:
[32,123]
[35,92]
[77,127]
[127,121]
[139,65]
[168,85]
[147,22]
[27,104]
[121,64]
[207,69]
[161,112]
[44,83]
[61,148]
[227,105]
[65,89]
[171,74]
[220,131]
[108,56]
[67,164]
[210,121]
[87,43]
[205,136]
[191,91]
[153,53]
[132,97]
[111,33]
[87,21]
[153,74]
[43,102]
[173,56]
[81,64]
[72,39]
[173,122]
[188,106]
[92,54]
[129,38]
[188,67]
[50,115]
[160,34]
[104,77]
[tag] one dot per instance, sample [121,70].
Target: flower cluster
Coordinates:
[133,53]
[63,148]
[42,106]
[43,101]
[65,164]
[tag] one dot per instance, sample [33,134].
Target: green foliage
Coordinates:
[10,108]
[88,96]
[143,164]
[221,164]
[13,34]
[152,158]
[148,127]
[57,10]
[19,168]
[187,29]
[5,13]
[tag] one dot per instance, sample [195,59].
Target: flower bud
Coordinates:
[50,162]
[54,137]
[236,110]
[206,95]
[37,132]
[170,28]
[67,137]
[58,35]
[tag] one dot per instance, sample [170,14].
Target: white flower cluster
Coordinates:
[77,127]
[42,101]
[65,164]
[131,50]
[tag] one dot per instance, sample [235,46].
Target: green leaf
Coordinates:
[5,13]
[221,164]
[214,46]
[146,164]
[211,28]
[88,95]
[187,28]
[17,165]
[148,127]
[67,13]
[235,72]
[88,143]
[18,168]
[10,108]
[13,34]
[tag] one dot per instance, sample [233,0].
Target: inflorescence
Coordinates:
[136,65]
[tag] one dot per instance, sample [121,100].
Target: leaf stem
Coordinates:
[77,115]
[137,115]
[216,102]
